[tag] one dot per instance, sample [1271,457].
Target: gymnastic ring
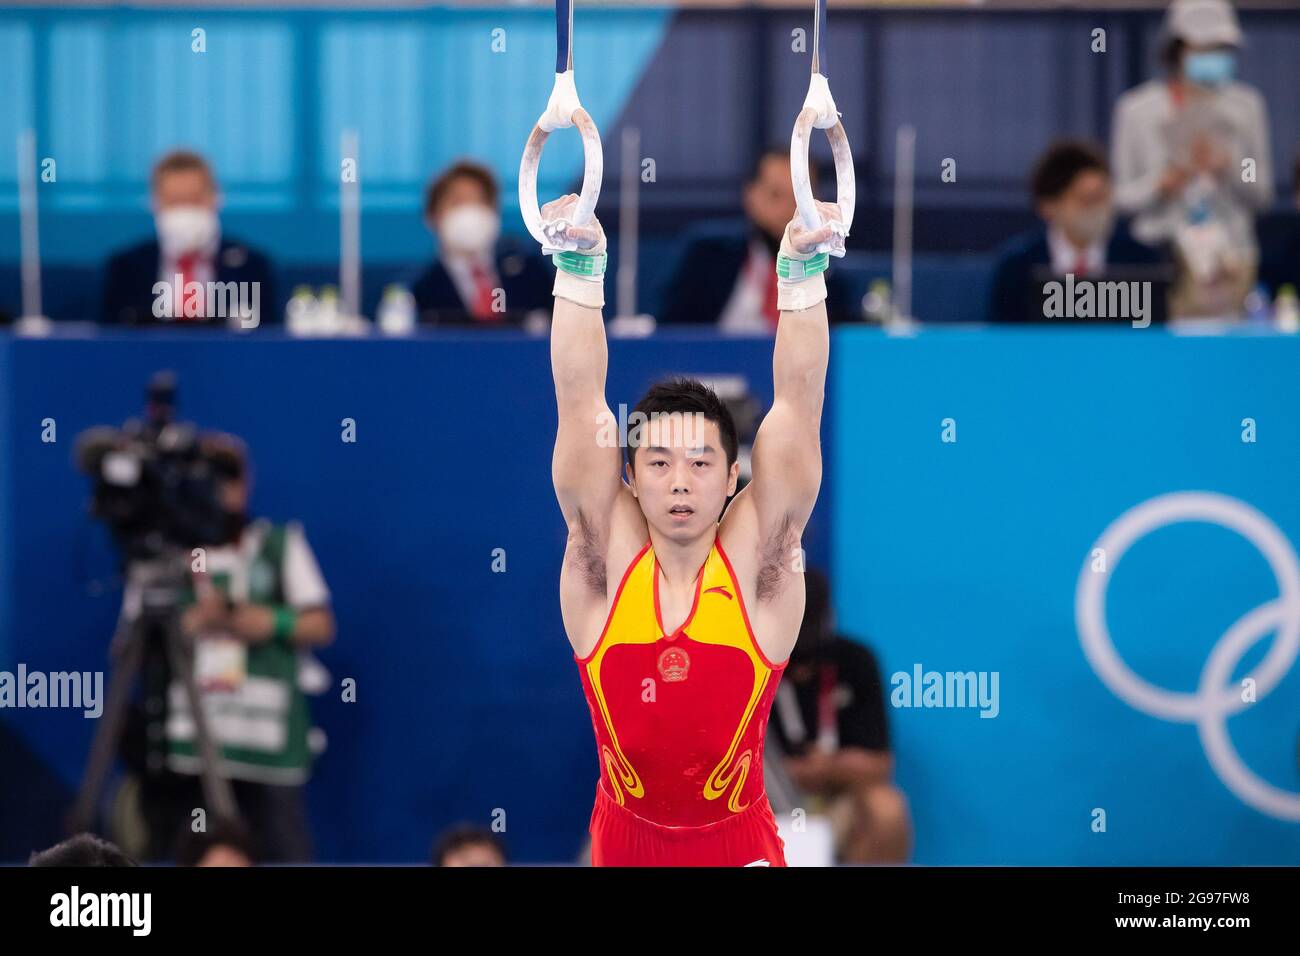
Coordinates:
[845,183]
[593,170]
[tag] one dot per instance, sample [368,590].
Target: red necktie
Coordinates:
[186,265]
[1081,264]
[481,308]
[769,298]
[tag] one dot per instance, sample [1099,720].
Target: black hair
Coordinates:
[181,161]
[756,167]
[1064,160]
[1171,53]
[683,395]
[463,835]
[84,849]
[226,455]
[778,151]
[437,190]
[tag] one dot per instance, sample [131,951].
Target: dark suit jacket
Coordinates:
[706,275]
[525,277]
[131,274]
[1018,259]
[1280,259]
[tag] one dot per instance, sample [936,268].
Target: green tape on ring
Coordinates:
[580,265]
[787,268]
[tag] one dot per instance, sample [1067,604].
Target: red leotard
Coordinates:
[680,721]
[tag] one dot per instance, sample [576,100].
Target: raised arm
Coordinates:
[787,460]
[586,463]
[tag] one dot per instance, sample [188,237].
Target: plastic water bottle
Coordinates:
[328,319]
[396,311]
[877,305]
[300,313]
[1256,306]
[1286,310]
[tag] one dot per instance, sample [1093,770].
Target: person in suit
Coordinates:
[1281,263]
[168,278]
[478,278]
[1071,190]
[727,276]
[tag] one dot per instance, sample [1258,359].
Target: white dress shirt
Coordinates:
[743,313]
[461,269]
[205,271]
[1065,254]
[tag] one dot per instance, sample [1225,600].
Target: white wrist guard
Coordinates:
[792,295]
[584,290]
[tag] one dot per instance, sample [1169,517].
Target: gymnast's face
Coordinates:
[682,478]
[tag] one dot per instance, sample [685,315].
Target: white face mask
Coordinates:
[183,229]
[471,229]
[1090,227]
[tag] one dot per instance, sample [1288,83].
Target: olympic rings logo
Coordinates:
[1216,698]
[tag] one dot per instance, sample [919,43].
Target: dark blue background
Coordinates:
[468,699]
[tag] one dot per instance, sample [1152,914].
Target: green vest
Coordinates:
[262,727]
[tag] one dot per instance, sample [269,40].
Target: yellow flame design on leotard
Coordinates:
[718,622]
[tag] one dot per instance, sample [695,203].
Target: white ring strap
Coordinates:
[562,110]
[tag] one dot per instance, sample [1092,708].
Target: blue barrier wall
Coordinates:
[467,697]
[6,505]
[966,555]
[961,556]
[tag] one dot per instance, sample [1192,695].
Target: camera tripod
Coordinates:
[150,609]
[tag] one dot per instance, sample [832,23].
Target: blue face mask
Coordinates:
[1209,68]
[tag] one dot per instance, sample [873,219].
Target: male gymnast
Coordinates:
[681,616]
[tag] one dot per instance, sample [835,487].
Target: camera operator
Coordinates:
[254,609]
